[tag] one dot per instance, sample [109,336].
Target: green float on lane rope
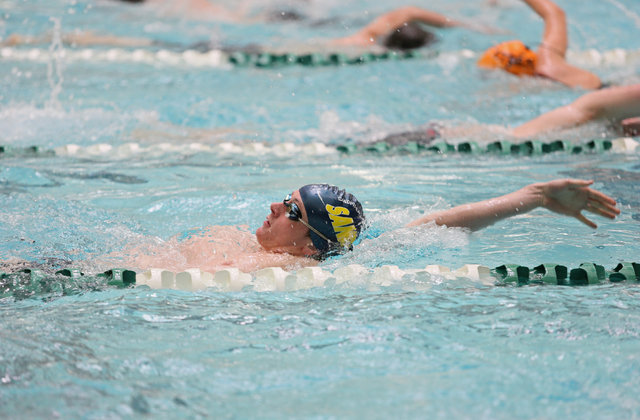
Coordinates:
[270,60]
[502,147]
[550,274]
[511,273]
[625,272]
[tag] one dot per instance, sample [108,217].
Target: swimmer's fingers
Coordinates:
[604,209]
[586,221]
[600,204]
[598,197]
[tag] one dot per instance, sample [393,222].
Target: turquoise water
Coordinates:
[456,350]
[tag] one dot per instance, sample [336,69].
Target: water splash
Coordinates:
[54,65]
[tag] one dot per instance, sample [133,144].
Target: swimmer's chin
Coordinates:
[259,235]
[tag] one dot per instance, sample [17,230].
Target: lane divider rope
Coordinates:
[277,279]
[617,57]
[503,147]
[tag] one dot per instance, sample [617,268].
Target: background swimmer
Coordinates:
[613,104]
[549,60]
[400,29]
[618,105]
[197,9]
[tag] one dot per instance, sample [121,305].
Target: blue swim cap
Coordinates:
[335,213]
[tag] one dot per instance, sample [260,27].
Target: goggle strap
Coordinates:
[314,230]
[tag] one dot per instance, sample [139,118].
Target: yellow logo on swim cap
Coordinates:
[343,226]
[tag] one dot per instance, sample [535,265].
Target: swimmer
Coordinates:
[196,9]
[189,8]
[400,29]
[318,221]
[78,39]
[631,127]
[549,59]
[204,10]
[619,105]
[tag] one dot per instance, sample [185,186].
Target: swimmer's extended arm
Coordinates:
[17,39]
[393,20]
[206,10]
[551,61]
[78,39]
[568,197]
[614,104]
[89,38]
[555,24]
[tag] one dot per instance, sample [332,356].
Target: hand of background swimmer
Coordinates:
[570,197]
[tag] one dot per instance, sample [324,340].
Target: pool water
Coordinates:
[450,349]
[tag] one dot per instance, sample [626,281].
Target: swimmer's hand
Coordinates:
[571,196]
[631,126]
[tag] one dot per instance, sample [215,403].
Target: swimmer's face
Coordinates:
[278,233]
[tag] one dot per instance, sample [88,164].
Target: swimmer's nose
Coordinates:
[276,208]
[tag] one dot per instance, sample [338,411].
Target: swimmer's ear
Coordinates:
[309,250]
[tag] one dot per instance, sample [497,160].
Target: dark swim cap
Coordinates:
[284,16]
[335,213]
[408,37]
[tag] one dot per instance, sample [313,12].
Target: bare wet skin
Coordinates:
[216,248]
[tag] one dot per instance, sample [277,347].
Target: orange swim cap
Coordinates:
[512,56]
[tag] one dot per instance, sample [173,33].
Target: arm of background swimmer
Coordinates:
[89,38]
[390,21]
[551,61]
[565,196]
[555,24]
[614,103]
[17,39]
[79,38]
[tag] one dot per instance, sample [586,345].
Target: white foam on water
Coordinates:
[25,125]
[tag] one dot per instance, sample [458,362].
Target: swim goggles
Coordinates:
[294,213]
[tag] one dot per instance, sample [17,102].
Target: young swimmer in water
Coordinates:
[198,9]
[400,29]
[319,220]
[549,60]
[620,106]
